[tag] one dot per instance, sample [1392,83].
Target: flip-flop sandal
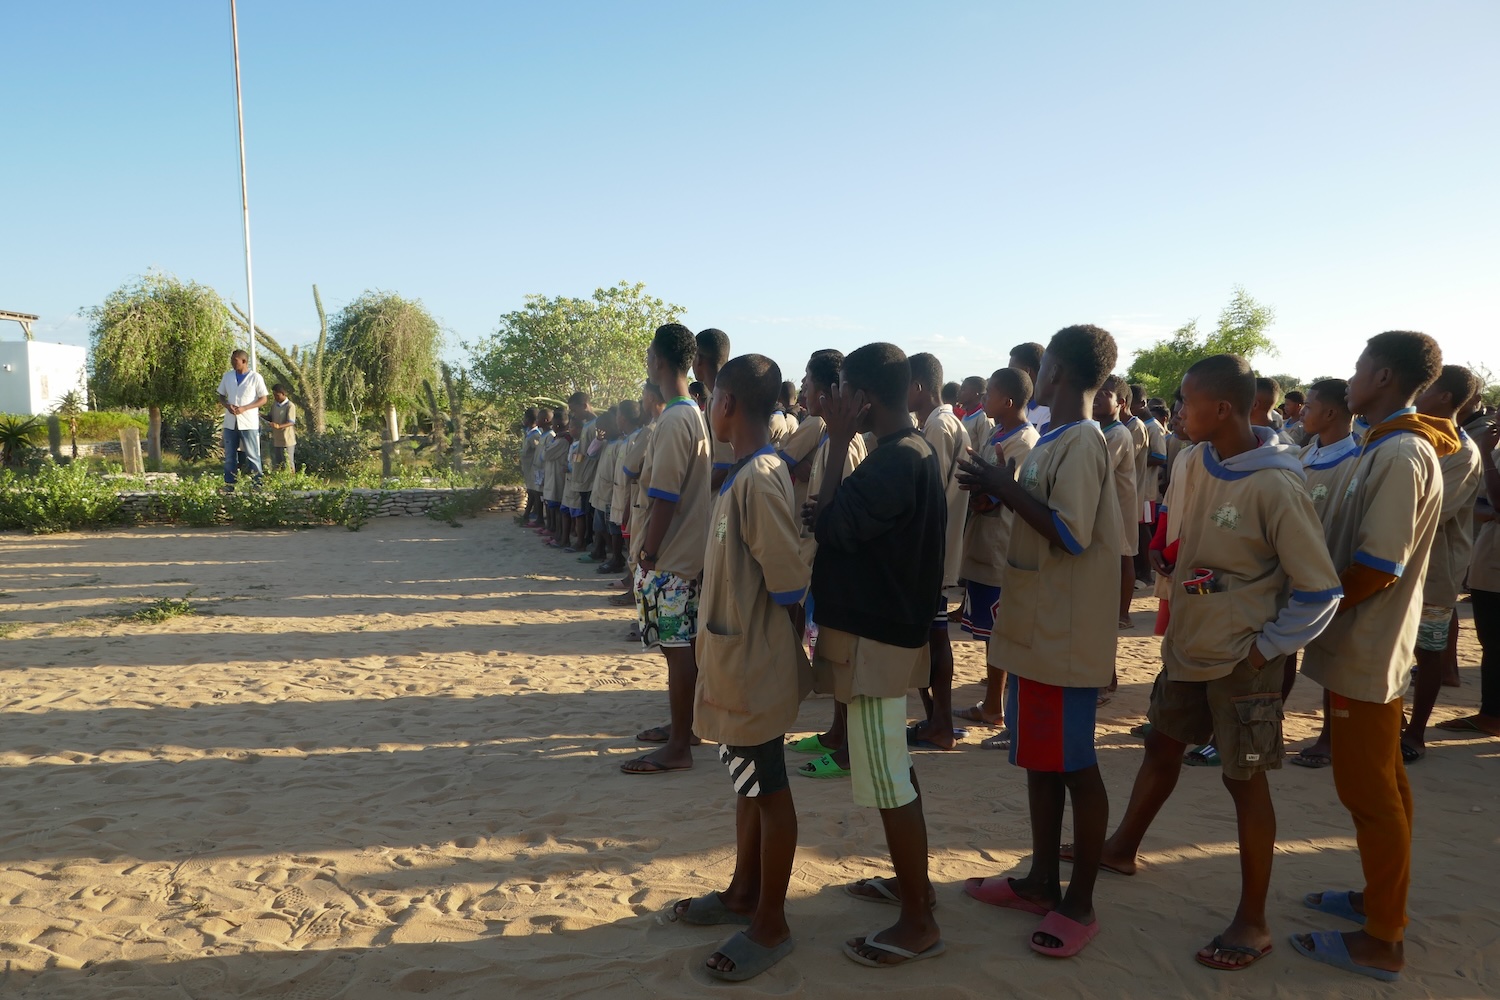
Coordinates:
[588,558]
[1218,945]
[882,886]
[1204,756]
[1103,699]
[652,767]
[916,742]
[1410,755]
[1313,759]
[750,959]
[999,890]
[811,745]
[1335,902]
[823,767]
[1143,730]
[1463,724]
[704,911]
[1074,936]
[1328,947]
[907,957]
[975,715]
[656,734]
[1000,741]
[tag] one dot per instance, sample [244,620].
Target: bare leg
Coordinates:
[682,678]
[915,930]
[763,869]
[1154,782]
[1127,588]
[1288,677]
[938,699]
[1429,682]
[1256,816]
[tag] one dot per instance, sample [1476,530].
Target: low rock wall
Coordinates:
[146,505]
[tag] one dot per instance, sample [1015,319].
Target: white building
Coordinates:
[34,376]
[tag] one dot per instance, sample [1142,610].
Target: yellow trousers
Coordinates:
[1371,781]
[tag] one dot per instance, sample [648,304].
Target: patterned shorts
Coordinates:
[758,770]
[1432,630]
[666,606]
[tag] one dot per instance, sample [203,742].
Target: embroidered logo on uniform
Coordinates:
[1350,491]
[1320,493]
[722,529]
[1030,476]
[1227,517]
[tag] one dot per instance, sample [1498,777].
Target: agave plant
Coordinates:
[15,440]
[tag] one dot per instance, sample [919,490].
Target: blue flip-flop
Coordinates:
[1336,903]
[1329,948]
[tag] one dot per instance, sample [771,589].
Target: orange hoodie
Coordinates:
[1360,581]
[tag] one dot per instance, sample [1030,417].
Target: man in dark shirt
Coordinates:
[880,539]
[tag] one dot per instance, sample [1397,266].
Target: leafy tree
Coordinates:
[70,407]
[157,342]
[558,345]
[383,347]
[1241,330]
[306,371]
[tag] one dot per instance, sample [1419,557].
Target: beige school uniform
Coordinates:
[555,457]
[979,427]
[1328,472]
[1463,475]
[1058,622]
[752,672]
[852,458]
[945,432]
[529,445]
[1484,567]
[1141,439]
[619,497]
[987,534]
[783,426]
[604,475]
[802,443]
[676,469]
[634,459]
[1386,520]
[1122,474]
[589,466]
[1258,532]
[849,666]
[572,498]
[722,451]
[1156,447]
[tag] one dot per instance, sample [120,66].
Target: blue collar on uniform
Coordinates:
[1053,432]
[734,470]
[1000,436]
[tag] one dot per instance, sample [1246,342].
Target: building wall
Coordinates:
[35,375]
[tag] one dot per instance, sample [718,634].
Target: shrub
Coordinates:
[198,439]
[334,454]
[57,498]
[96,425]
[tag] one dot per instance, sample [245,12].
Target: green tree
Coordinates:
[561,344]
[156,342]
[306,371]
[1241,330]
[69,408]
[383,348]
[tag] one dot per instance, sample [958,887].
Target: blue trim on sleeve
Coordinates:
[1069,542]
[1318,596]
[786,598]
[789,460]
[1157,454]
[662,495]
[1384,565]
[629,474]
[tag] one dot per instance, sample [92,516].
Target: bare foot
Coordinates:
[1488,725]
[925,731]
[660,734]
[656,763]
[977,714]
[1110,860]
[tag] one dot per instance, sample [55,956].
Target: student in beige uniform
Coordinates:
[607,462]
[571,533]
[752,673]
[1329,458]
[987,538]
[1141,439]
[1237,508]
[799,449]
[628,424]
[1484,590]
[978,424]
[668,543]
[1122,473]
[946,434]
[555,457]
[1056,636]
[1463,475]
[651,406]
[783,423]
[712,350]
[821,377]
[1381,540]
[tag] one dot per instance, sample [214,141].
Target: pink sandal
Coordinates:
[997,890]
[1073,935]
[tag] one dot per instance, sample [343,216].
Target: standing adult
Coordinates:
[242,393]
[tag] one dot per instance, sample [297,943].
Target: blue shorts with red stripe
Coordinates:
[981,605]
[1051,727]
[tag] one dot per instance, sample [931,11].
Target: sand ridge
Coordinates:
[383,764]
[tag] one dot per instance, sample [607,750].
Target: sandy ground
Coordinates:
[383,765]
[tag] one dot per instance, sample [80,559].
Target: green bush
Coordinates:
[95,425]
[57,498]
[196,439]
[334,454]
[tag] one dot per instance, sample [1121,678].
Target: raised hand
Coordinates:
[842,414]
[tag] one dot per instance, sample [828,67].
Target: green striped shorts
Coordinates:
[878,757]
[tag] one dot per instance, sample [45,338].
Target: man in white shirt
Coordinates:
[242,393]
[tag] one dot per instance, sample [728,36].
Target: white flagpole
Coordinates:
[239,104]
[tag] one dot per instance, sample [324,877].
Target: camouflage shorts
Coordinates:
[667,607]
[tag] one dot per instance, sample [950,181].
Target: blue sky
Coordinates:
[954,177]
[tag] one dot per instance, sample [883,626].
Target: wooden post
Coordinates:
[130,448]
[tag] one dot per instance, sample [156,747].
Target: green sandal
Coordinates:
[811,745]
[824,767]
[1204,756]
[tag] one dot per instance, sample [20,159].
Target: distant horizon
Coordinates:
[955,179]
